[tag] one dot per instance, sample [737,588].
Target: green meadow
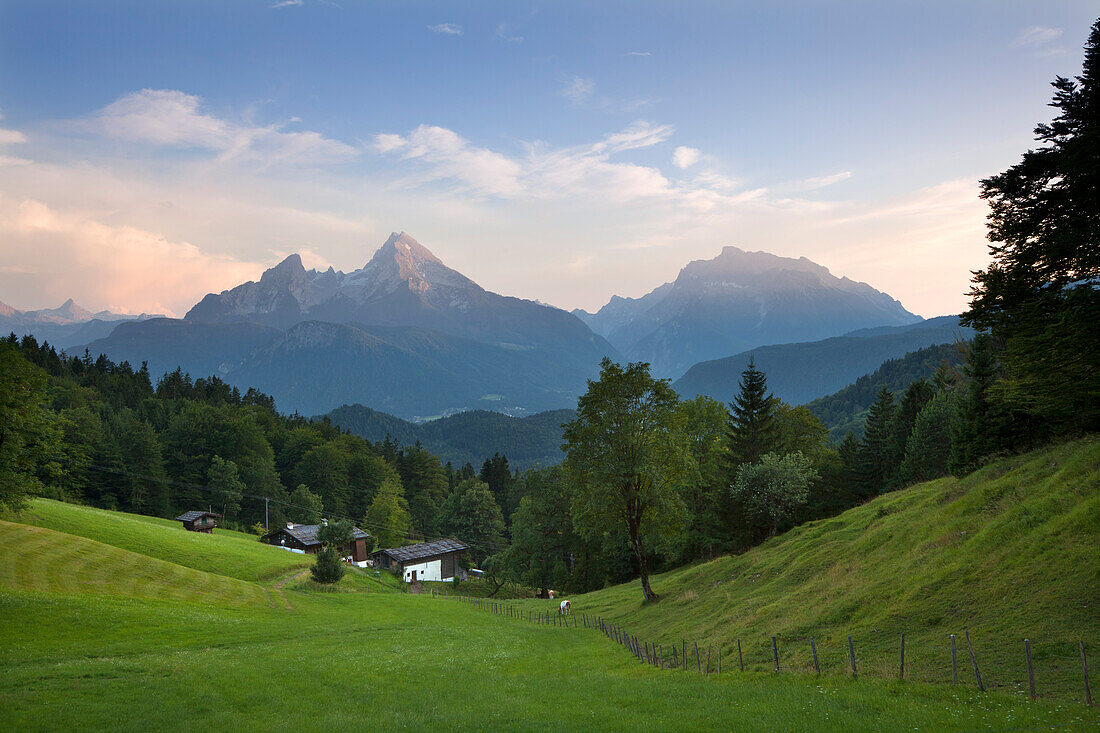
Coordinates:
[120,622]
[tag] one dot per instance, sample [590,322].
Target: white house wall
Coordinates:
[431,570]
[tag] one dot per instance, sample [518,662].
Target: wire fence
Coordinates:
[1056,670]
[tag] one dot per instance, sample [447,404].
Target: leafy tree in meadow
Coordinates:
[226,485]
[305,506]
[628,457]
[751,418]
[1040,295]
[471,514]
[775,488]
[387,518]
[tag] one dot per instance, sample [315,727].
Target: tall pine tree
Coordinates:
[750,430]
[876,462]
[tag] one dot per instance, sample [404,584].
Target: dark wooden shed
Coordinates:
[436,560]
[199,521]
[304,537]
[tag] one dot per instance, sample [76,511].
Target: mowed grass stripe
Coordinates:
[41,559]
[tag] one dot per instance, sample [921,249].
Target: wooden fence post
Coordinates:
[708,660]
[685,655]
[1085,669]
[954,663]
[719,659]
[901,669]
[852,655]
[813,650]
[1030,670]
[740,657]
[698,661]
[974,661]
[775,655]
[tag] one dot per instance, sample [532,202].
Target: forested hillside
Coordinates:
[846,411]
[468,437]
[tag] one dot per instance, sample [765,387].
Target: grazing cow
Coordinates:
[550,593]
[564,608]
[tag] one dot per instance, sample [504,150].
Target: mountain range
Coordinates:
[404,333]
[737,301]
[411,336]
[64,326]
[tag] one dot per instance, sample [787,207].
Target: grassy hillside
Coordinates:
[98,637]
[224,552]
[1008,552]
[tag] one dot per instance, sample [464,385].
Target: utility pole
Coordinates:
[266,499]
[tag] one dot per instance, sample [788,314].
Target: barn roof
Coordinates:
[425,549]
[307,533]
[192,516]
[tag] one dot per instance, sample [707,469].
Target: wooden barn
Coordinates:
[199,521]
[437,560]
[303,538]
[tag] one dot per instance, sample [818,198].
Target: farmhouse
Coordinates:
[303,538]
[436,560]
[199,521]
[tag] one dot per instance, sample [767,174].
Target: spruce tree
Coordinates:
[876,462]
[977,432]
[751,429]
[918,394]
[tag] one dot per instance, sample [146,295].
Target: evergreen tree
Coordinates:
[542,533]
[928,449]
[918,394]
[495,473]
[978,430]
[751,421]
[23,420]
[1040,296]
[876,461]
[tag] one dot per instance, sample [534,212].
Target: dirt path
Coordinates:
[278,585]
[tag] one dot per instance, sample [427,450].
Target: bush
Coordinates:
[329,567]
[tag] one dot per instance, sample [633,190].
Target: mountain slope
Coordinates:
[802,372]
[411,372]
[846,411]
[468,437]
[1008,552]
[736,301]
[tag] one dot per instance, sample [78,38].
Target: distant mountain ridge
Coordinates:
[737,301]
[404,333]
[64,326]
[801,372]
[468,437]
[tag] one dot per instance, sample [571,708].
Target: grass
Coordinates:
[1012,551]
[225,552]
[98,636]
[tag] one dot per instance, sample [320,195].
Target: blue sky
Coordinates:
[151,152]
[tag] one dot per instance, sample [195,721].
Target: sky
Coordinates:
[151,153]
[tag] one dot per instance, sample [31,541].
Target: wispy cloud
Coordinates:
[578,89]
[1037,35]
[638,53]
[287,4]
[174,119]
[503,34]
[812,184]
[685,157]
[446,29]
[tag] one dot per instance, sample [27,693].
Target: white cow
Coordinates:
[564,608]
